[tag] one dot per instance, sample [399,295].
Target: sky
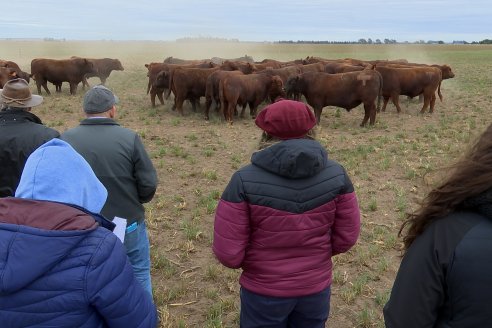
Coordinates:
[248,20]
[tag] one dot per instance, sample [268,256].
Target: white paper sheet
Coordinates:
[120,228]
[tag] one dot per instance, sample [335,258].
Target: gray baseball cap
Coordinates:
[99,99]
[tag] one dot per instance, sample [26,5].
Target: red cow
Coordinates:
[314,67]
[6,74]
[411,82]
[446,71]
[345,90]
[153,69]
[188,83]
[19,73]
[102,69]
[159,73]
[251,89]
[336,67]
[212,84]
[57,71]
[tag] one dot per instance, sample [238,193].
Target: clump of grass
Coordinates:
[212,272]
[179,151]
[161,264]
[382,297]
[210,201]
[191,229]
[161,152]
[373,204]
[365,318]
[208,152]
[191,137]
[236,161]
[210,175]
[175,121]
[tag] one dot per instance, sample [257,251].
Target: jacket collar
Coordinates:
[98,121]
[18,115]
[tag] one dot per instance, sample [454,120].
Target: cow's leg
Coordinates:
[217,105]
[385,103]
[152,97]
[45,87]
[160,95]
[432,103]
[242,110]
[317,114]
[178,102]
[193,104]
[85,83]
[73,88]
[367,110]
[208,104]
[369,114]
[38,85]
[395,98]
[224,107]
[252,111]
[427,100]
[228,113]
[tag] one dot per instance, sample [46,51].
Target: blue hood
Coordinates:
[293,158]
[56,172]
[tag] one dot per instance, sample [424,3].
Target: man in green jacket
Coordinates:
[120,161]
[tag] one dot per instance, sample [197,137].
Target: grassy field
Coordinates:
[392,164]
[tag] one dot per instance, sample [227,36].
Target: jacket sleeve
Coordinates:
[346,226]
[113,290]
[231,226]
[144,172]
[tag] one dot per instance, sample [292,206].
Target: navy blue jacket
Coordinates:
[445,278]
[59,268]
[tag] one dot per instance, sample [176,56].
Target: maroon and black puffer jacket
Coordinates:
[284,216]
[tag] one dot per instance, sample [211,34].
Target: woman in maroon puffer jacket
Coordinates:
[281,219]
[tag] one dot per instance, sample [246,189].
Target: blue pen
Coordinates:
[132,227]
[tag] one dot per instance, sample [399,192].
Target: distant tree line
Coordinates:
[385,41]
[206,39]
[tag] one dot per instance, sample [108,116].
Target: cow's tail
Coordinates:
[171,83]
[380,92]
[221,96]
[439,90]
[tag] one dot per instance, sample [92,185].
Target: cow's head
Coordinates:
[447,73]
[276,88]
[117,65]
[161,80]
[292,86]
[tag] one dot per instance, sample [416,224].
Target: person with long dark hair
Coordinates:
[444,278]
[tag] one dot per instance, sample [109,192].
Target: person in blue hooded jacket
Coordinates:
[60,264]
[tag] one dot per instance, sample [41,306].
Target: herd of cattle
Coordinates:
[344,83]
